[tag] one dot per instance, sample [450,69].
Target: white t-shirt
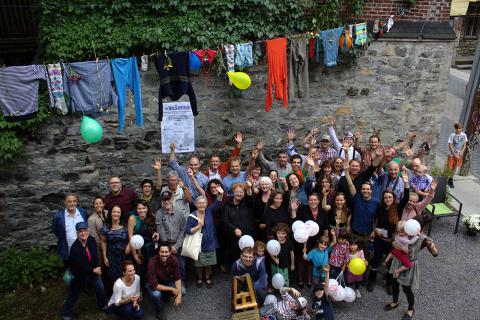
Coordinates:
[122,291]
[70,223]
[457,140]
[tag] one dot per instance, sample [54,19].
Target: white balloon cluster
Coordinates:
[339,293]
[303,230]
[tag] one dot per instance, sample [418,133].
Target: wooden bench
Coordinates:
[244,303]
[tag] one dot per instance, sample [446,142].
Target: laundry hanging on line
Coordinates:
[175,80]
[19,91]
[89,86]
[125,73]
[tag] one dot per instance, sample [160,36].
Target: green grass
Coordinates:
[26,303]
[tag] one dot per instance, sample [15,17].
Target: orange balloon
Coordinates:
[345,38]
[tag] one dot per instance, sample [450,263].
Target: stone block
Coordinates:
[426,54]
[395,62]
[344,111]
[388,50]
[366,72]
[401,51]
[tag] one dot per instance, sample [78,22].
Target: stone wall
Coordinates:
[396,87]
[466,46]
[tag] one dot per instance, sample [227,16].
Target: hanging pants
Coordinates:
[125,73]
[298,69]
[330,39]
[277,71]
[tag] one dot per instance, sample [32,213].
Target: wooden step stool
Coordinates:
[244,302]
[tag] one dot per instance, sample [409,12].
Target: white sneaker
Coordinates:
[358,294]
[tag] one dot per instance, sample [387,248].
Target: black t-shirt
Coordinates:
[284,255]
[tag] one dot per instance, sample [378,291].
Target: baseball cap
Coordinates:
[166,195]
[326,137]
[318,287]
[301,303]
[81,225]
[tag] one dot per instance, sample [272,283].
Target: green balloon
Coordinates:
[91,130]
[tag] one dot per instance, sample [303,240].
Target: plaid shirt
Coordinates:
[328,154]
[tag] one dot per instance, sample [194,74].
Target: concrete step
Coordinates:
[464,66]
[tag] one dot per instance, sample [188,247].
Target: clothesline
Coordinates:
[88,84]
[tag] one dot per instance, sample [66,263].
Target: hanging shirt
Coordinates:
[361,34]
[175,80]
[19,91]
[89,86]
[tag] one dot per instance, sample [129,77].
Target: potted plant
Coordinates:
[472,224]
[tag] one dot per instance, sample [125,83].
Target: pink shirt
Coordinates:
[417,208]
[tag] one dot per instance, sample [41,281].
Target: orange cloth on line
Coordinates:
[277,71]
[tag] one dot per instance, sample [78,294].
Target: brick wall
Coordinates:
[465,46]
[430,10]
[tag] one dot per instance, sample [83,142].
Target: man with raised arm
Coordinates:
[219,170]
[281,165]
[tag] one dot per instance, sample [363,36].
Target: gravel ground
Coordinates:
[449,288]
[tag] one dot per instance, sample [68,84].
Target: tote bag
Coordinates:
[192,243]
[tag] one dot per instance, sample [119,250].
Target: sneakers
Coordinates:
[358,295]
[450,183]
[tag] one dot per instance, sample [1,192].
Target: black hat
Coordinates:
[166,195]
[81,225]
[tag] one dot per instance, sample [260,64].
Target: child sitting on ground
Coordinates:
[402,240]
[340,254]
[286,257]
[319,256]
[321,305]
[352,279]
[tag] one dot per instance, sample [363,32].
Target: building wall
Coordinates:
[465,46]
[430,10]
[397,87]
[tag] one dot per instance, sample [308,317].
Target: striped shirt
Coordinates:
[19,90]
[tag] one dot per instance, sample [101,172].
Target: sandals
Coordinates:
[389,307]
[199,283]
[209,283]
[408,317]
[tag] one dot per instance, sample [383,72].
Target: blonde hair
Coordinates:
[400,226]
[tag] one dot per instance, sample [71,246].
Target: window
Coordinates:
[472,20]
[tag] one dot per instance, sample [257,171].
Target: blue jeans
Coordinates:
[128,311]
[73,294]
[160,297]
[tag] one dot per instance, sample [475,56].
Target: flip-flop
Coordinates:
[209,283]
[199,283]
[407,317]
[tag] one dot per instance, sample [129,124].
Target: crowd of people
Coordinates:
[359,196]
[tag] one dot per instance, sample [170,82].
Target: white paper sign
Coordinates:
[178,126]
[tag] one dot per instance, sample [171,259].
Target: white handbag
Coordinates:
[192,243]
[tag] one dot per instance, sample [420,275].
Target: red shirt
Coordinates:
[126,200]
[163,274]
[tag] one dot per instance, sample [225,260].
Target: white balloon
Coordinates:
[273,247]
[332,282]
[137,241]
[300,235]
[412,227]
[270,299]
[312,228]
[349,295]
[245,241]
[298,225]
[278,281]
[338,294]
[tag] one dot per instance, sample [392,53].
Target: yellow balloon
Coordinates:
[241,80]
[357,266]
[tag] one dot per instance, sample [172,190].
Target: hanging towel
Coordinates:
[125,73]
[175,81]
[19,91]
[89,86]
[361,34]
[230,54]
[244,55]
[277,71]
[297,69]
[55,88]
[330,39]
